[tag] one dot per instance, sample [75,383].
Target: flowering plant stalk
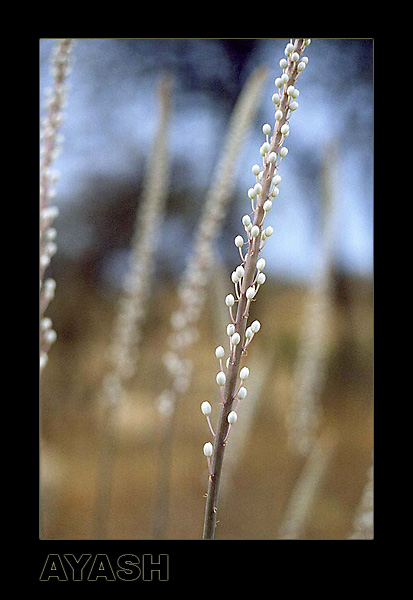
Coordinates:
[125,346]
[304,413]
[126,336]
[249,276]
[50,148]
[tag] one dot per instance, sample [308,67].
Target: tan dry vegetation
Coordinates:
[266,471]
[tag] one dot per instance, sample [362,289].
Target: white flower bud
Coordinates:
[301,66]
[51,234]
[250,293]
[264,148]
[244,373]
[274,192]
[230,329]
[276,98]
[266,129]
[219,352]
[240,271]
[249,333]
[272,157]
[288,49]
[296,93]
[242,393]
[49,213]
[232,417]
[50,336]
[278,82]
[276,179]
[45,323]
[261,278]
[258,188]
[206,408]
[246,220]
[295,57]
[43,360]
[234,277]
[50,248]
[255,230]
[252,193]
[235,339]
[269,231]
[256,326]
[261,264]
[283,63]
[284,78]
[221,378]
[256,169]
[49,288]
[230,300]
[267,205]
[208,449]
[285,129]
[284,151]
[290,90]
[239,241]
[278,115]
[44,260]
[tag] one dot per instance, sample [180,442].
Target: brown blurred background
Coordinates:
[95,229]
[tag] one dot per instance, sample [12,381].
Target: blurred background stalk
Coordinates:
[126,336]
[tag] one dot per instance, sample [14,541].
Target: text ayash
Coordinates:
[89,567]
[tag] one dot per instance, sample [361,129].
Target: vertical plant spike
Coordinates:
[363,525]
[51,144]
[303,417]
[248,276]
[127,331]
[308,484]
[192,287]
[126,334]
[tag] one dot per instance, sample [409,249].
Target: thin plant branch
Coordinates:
[272,152]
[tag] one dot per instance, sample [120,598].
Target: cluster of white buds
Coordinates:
[249,276]
[50,137]
[47,338]
[241,392]
[126,334]
[51,143]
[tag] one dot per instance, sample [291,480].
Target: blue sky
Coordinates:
[111,119]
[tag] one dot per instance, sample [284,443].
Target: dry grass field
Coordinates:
[260,476]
